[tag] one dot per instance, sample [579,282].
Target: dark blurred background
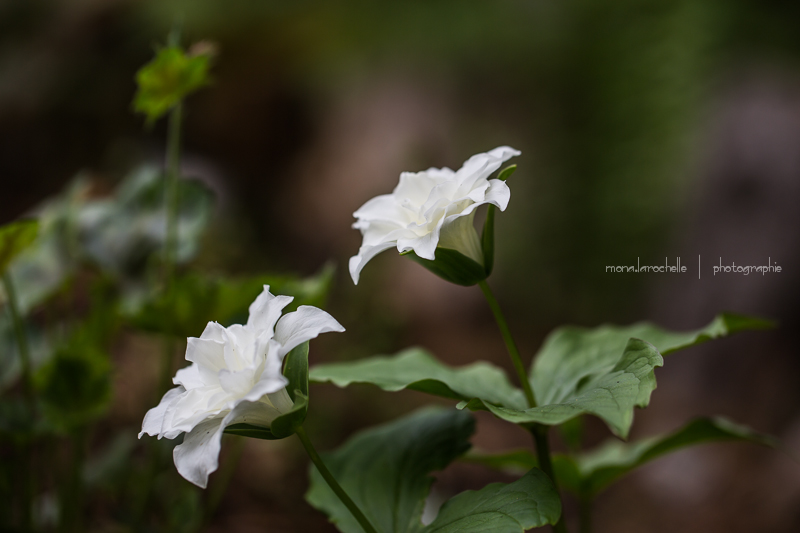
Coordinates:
[648,129]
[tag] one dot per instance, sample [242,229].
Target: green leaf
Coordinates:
[169,78]
[14,238]
[580,371]
[589,473]
[506,173]
[529,502]
[572,356]
[123,232]
[452,266]
[599,468]
[385,470]
[611,394]
[487,240]
[416,369]
[296,371]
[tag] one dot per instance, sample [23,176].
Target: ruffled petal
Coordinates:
[266,310]
[384,207]
[213,332]
[208,354]
[154,419]
[198,456]
[365,253]
[189,377]
[303,325]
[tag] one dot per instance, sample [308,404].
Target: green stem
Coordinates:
[539,433]
[171,197]
[27,492]
[332,483]
[22,339]
[509,340]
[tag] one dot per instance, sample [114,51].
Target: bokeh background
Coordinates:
[648,129]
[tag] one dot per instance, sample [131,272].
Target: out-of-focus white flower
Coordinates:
[432,208]
[235,377]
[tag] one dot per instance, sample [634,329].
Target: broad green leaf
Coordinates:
[605,371]
[296,371]
[529,502]
[589,473]
[14,238]
[386,469]
[611,395]
[599,468]
[452,266]
[571,356]
[166,80]
[416,369]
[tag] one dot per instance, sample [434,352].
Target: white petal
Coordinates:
[459,234]
[237,384]
[498,194]
[267,309]
[480,166]
[281,400]
[302,325]
[208,354]
[416,186]
[191,408]
[259,413]
[384,207]
[198,456]
[365,253]
[189,377]
[240,348]
[424,246]
[154,419]
[213,332]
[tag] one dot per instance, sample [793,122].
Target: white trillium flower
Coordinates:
[235,377]
[435,207]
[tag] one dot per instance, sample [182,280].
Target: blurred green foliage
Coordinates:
[169,78]
[14,238]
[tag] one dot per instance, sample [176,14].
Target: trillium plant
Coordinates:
[252,380]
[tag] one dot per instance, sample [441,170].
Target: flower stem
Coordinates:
[509,340]
[26,449]
[22,338]
[539,433]
[171,197]
[332,483]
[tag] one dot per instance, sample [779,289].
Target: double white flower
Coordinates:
[235,377]
[432,208]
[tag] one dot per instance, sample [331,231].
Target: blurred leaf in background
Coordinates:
[169,78]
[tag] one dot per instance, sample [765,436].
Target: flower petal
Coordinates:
[198,456]
[267,309]
[458,233]
[208,354]
[154,419]
[365,253]
[303,325]
[189,377]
